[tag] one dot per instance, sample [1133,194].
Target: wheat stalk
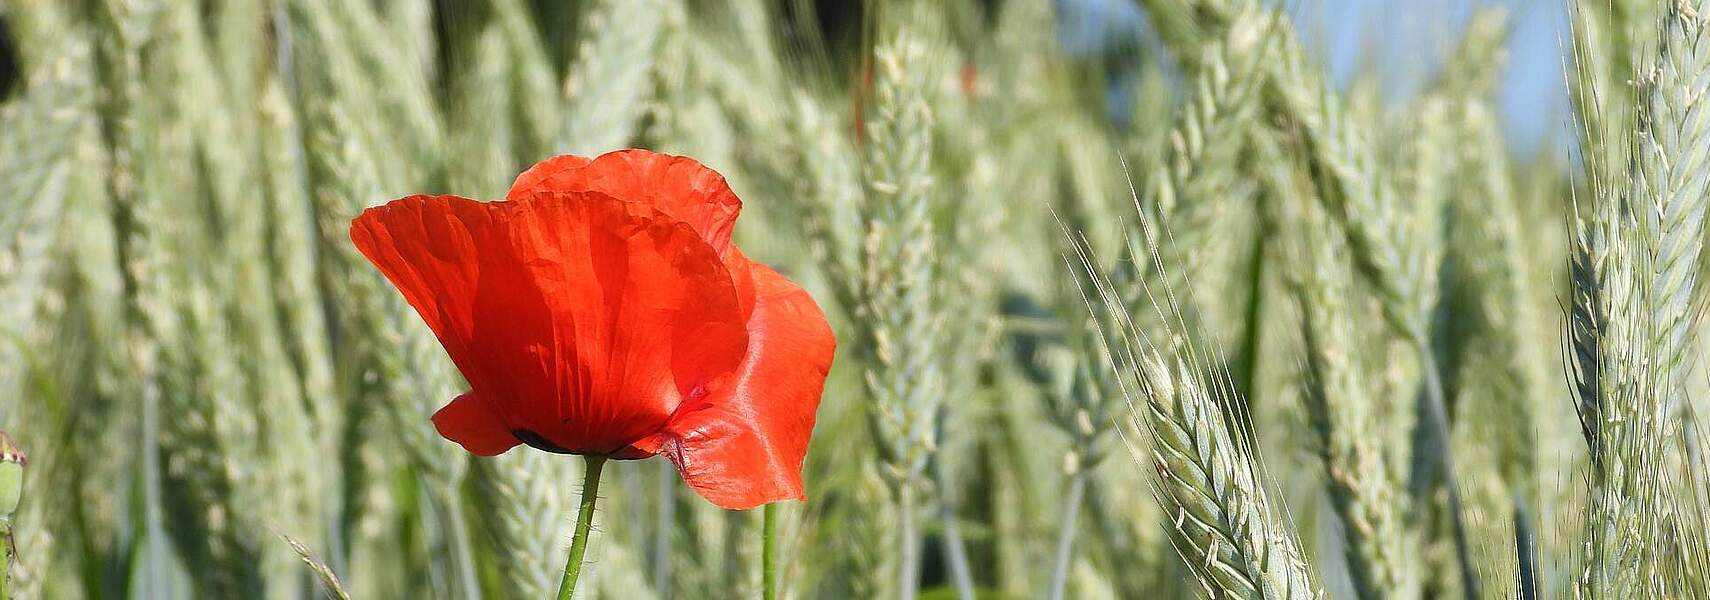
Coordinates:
[1225,529]
[1670,182]
[54,161]
[267,421]
[57,284]
[1228,533]
[609,82]
[1488,276]
[1391,253]
[1363,492]
[208,493]
[1207,474]
[119,30]
[526,500]
[485,123]
[1498,264]
[394,76]
[41,169]
[392,361]
[896,299]
[1198,183]
[1609,37]
[1634,295]
[1395,251]
[291,256]
[832,178]
[1188,191]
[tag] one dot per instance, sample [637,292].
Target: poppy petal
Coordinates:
[471,423]
[678,186]
[582,320]
[533,179]
[675,185]
[744,444]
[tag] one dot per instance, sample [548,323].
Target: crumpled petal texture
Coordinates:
[601,309]
[675,185]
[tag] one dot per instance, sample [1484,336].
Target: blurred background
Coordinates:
[1402,40]
[220,399]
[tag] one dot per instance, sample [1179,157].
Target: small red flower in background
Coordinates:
[601,309]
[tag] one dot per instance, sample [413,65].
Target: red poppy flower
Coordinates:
[601,309]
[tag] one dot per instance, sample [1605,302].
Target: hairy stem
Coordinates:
[6,551]
[584,521]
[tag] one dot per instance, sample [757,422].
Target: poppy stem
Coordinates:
[6,551]
[769,552]
[584,521]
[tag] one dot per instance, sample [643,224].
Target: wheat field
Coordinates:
[1240,332]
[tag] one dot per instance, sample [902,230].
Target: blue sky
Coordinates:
[1408,36]
[1404,39]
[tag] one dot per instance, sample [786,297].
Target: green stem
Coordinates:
[458,530]
[6,550]
[768,552]
[908,542]
[955,552]
[1066,534]
[665,518]
[1437,415]
[1526,556]
[1252,338]
[584,521]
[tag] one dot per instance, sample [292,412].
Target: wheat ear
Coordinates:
[1638,286]
[608,84]
[896,297]
[1339,405]
[1207,475]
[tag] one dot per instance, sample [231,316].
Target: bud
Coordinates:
[11,475]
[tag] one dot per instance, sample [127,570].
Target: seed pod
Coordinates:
[11,475]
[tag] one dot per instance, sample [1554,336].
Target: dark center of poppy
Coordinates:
[534,440]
